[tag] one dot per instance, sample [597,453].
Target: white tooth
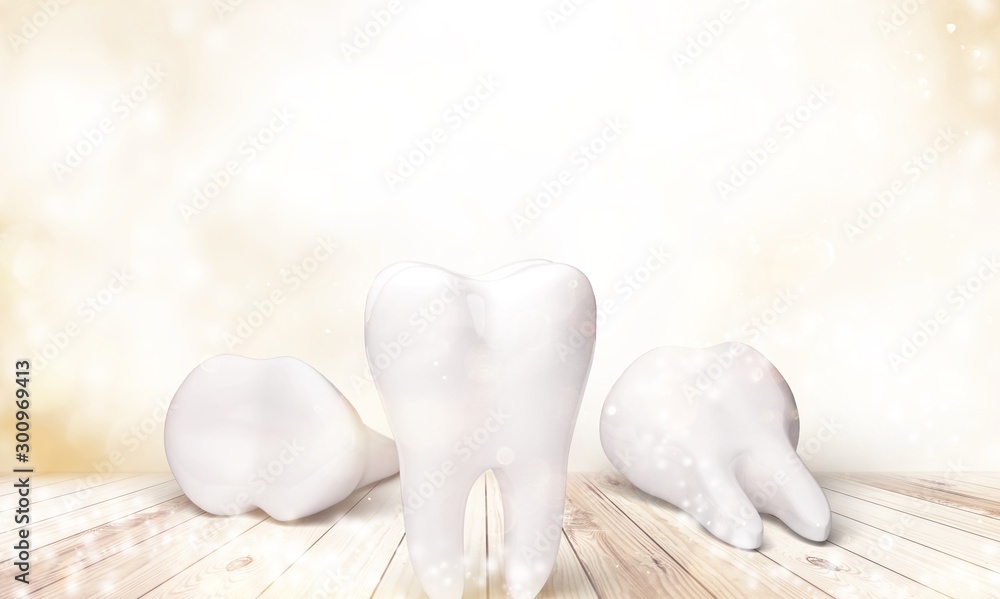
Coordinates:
[480,373]
[705,428]
[275,434]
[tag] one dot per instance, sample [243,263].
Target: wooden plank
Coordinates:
[79,551]
[348,561]
[50,527]
[400,581]
[617,542]
[955,483]
[722,568]
[494,537]
[986,479]
[963,495]
[40,481]
[55,529]
[58,489]
[144,566]
[928,492]
[10,476]
[963,545]
[75,500]
[928,567]
[957,518]
[245,566]
[83,497]
[833,569]
[476,572]
[620,560]
[568,578]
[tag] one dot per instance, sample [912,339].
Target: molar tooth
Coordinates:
[480,373]
[275,434]
[713,431]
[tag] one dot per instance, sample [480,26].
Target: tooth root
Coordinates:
[434,518]
[533,504]
[720,505]
[797,500]
[382,459]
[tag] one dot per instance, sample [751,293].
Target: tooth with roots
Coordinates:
[713,431]
[480,373]
[271,434]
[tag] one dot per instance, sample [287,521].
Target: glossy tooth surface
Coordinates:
[480,373]
[713,431]
[243,433]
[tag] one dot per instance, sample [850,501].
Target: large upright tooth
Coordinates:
[480,373]
[705,428]
[275,434]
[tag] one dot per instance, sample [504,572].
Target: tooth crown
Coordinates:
[480,373]
[444,378]
[243,433]
[704,429]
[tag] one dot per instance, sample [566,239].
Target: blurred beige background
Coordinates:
[128,253]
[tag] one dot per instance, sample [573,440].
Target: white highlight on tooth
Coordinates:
[480,373]
[729,441]
[243,433]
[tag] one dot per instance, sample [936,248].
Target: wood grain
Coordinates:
[894,535]
[398,581]
[960,482]
[833,569]
[725,570]
[81,496]
[349,560]
[619,558]
[929,492]
[966,546]
[105,542]
[247,565]
[905,504]
[476,570]
[143,566]
[54,528]
[45,492]
[986,479]
[928,567]
[40,481]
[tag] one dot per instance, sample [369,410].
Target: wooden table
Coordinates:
[132,535]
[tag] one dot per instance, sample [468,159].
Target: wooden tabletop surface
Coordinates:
[136,535]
